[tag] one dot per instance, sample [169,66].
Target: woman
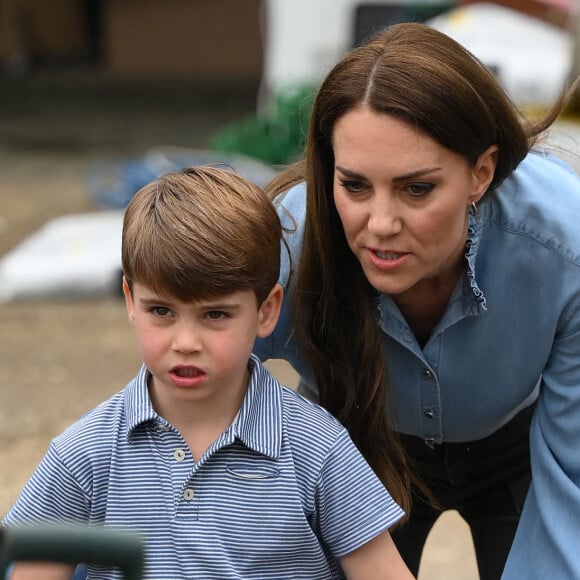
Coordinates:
[435,248]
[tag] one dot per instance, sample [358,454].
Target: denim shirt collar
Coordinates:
[467,299]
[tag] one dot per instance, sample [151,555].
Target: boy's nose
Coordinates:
[187,339]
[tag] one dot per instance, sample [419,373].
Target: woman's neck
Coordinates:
[423,305]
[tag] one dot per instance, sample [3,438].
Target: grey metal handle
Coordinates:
[73,544]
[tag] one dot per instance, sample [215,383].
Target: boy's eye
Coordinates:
[216,314]
[419,189]
[162,311]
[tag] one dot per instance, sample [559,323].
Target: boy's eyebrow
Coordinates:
[223,305]
[153,301]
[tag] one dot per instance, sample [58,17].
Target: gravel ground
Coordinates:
[58,359]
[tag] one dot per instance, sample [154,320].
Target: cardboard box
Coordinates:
[37,31]
[217,39]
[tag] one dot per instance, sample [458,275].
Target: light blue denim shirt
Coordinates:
[510,335]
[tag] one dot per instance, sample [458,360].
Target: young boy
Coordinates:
[226,473]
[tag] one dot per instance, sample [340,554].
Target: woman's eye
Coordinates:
[353,186]
[419,189]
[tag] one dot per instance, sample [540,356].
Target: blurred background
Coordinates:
[98,97]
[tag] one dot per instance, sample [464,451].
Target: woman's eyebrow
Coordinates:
[418,173]
[406,176]
[349,173]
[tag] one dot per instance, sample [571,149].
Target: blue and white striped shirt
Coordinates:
[280,494]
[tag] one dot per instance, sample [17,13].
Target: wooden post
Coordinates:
[573,107]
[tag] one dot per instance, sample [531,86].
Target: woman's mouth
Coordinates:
[387,255]
[387,260]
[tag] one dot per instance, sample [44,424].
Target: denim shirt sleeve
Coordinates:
[548,536]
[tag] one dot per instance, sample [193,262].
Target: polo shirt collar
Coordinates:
[138,406]
[258,423]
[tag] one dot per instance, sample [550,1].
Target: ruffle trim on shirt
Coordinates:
[474,301]
[474,227]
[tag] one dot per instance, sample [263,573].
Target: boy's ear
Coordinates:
[269,311]
[128,299]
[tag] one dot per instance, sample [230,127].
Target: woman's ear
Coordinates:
[269,311]
[128,299]
[483,172]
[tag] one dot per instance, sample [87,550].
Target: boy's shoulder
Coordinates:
[307,423]
[98,420]
[302,407]
[300,417]
[97,427]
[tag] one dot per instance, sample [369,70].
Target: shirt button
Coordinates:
[163,427]
[428,413]
[188,494]
[179,455]
[427,374]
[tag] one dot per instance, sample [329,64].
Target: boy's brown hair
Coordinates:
[201,233]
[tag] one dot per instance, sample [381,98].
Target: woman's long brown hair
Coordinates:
[426,79]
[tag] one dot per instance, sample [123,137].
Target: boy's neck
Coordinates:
[202,422]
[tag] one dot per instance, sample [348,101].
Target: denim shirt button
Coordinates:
[427,374]
[428,413]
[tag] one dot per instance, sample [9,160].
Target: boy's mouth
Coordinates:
[187,372]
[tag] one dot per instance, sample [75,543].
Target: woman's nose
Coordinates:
[384,218]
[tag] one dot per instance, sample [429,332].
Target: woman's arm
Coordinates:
[548,536]
[378,559]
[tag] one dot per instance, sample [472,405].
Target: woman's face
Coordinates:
[403,201]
